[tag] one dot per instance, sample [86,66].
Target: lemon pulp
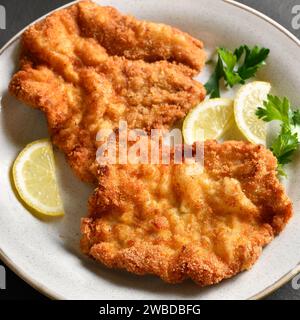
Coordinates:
[208,120]
[35,180]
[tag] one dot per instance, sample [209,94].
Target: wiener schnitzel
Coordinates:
[87,67]
[162,220]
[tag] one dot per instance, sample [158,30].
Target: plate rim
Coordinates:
[54,295]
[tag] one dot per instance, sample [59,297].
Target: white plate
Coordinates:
[46,254]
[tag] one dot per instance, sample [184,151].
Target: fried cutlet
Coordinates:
[207,226]
[88,67]
[126,36]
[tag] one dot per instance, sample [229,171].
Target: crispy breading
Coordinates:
[208,226]
[126,36]
[87,67]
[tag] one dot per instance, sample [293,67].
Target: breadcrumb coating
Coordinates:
[88,67]
[208,226]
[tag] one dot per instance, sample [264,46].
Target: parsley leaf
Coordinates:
[296,118]
[229,61]
[287,142]
[238,52]
[232,70]
[285,145]
[212,85]
[275,109]
[254,59]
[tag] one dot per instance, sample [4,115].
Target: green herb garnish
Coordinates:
[287,142]
[234,69]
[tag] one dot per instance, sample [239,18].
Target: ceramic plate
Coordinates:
[46,253]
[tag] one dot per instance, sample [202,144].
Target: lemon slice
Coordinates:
[248,99]
[35,180]
[209,120]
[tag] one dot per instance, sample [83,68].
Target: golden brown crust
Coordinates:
[87,67]
[85,83]
[126,36]
[208,226]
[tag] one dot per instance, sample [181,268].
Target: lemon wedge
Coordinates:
[34,178]
[208,120]
[248,99]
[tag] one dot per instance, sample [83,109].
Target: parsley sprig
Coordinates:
[235,67]
[287,142]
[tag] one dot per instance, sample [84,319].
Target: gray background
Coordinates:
[21,12]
